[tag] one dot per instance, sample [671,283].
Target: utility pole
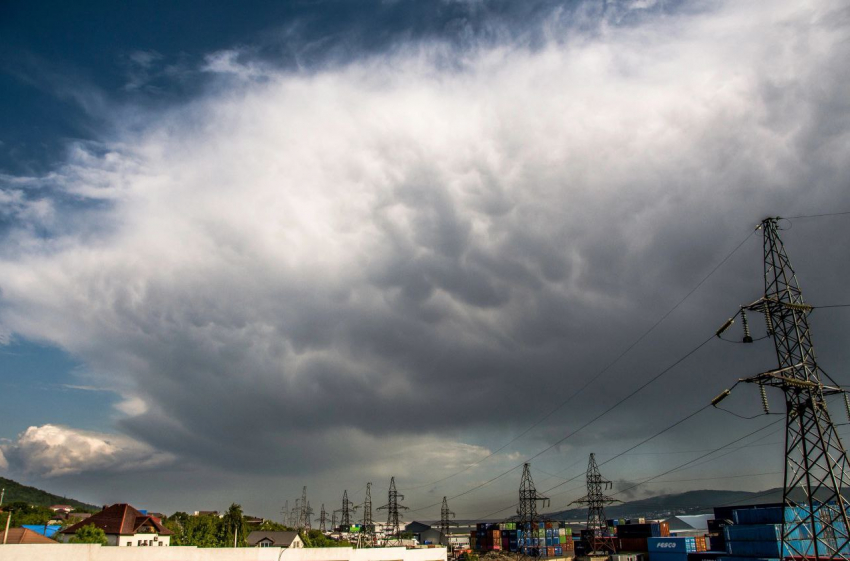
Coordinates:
[392,507]
[527,510]
[597,527]
[323,520]
[816,527]
[445,521]
[366,537]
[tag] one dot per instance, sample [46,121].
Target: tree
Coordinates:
[89,534]
[203,531]
[315,538]
[233,522]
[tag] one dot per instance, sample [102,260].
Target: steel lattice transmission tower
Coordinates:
[446,520]
[527,510]
[295,515]
[323,520]
[367,533]
[392,507]
[285,512]
[303,514]
[308,517]
[815,459]
[597,527]
[346,511]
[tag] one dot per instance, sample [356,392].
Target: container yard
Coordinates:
[745,533]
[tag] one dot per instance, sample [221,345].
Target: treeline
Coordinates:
[15,492]
[25,513]
[211,531]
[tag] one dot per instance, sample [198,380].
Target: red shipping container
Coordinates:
[633,544]
[665,530]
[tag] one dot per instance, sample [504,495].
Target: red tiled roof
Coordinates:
[120,519]
[23,536]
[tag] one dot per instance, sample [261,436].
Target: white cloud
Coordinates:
[388,246]
[52,450]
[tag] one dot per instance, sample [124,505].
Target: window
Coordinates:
[129,543]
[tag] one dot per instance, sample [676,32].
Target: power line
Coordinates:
[598,374]
[677,468]
[593,420]
[815,215]
[680,421]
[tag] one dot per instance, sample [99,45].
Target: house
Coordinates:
[64,509]
[24,536]
[261,538]
[124,526]
[208,513]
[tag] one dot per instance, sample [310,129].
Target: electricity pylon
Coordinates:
[285,512]
[346,511]
[446,520]
[597,527]
[393,531]
[366,537]
[308,517]
[817,526]
[295,515]
[333,520]
[527,510]
[323,520]
[303,515]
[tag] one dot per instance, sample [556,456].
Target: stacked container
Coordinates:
[757,532]
[671,548]
[633,537]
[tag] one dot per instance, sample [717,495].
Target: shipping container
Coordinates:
[670,545]
[667,556]
[632,544]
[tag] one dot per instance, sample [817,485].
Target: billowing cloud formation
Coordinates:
[305,270]
[51,451]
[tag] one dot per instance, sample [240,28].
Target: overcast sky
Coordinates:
[323,242]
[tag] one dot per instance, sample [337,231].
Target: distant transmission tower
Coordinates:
[392,507]
[815,459]
[446,520]
[366,537]
[346,511]
[527,510]
[308,517]
[303,516]
[597,527]
[333,521]
[295,515]
[323,520]
[285,512]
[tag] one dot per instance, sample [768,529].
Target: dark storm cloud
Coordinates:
[304,271]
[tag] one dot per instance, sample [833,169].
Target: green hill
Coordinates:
[30,495]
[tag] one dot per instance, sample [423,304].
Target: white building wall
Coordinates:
[90,552]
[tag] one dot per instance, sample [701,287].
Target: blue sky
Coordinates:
[329,242]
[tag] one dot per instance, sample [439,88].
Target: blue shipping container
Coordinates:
[665,556]
[682,545]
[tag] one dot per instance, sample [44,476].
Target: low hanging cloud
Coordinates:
[328,261]
[51,451]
